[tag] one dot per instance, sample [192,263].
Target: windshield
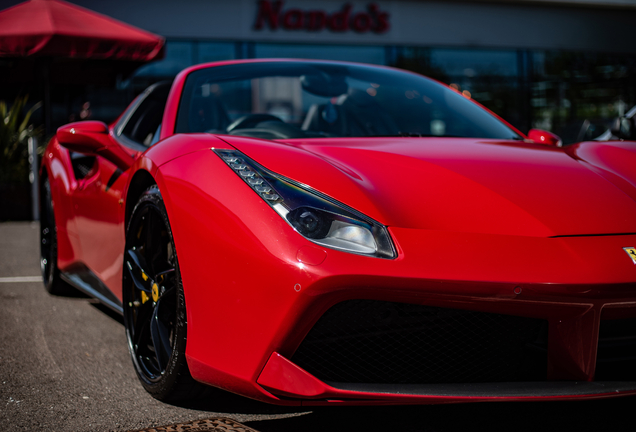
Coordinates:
[279,100]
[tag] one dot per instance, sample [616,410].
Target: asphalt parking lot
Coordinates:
[64,366]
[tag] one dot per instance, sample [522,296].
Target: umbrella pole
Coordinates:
[47,98]
[34,178]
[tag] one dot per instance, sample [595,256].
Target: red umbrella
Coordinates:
[57,28]
[55,41]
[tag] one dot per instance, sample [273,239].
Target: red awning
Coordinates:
[59,29]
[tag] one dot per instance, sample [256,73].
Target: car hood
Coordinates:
[465,185]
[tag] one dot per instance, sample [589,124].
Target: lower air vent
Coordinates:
[616,355]
[82,165]
[369,341]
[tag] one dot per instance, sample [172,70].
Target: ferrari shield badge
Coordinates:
[631,251]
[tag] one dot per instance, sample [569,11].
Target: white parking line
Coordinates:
[21,279]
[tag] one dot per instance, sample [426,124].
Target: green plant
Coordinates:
[15,131]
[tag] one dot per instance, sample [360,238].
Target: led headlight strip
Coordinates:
[312,214]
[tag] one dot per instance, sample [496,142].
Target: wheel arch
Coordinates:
[141,181]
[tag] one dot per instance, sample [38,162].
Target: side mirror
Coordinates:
[623,128]
[84,137]
[92,138]
[544,137]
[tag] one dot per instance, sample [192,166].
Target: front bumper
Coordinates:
[283,378]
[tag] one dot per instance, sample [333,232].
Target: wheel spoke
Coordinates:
[166,294]
[160,338]
[142,321]
[166,273]
[136,265]
[143,345]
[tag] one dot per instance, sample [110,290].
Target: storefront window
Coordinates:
[473,63]
[179,55]
[577,95]
[361,54]
[182,54]
[215,51]
[573,94]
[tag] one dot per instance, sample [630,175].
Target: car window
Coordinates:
[155,138]
[306,99]
[142,124]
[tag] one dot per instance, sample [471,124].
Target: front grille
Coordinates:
[616,355]
[369,341]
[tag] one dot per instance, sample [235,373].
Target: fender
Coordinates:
[56,163]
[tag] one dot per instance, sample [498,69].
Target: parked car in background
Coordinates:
[623,127]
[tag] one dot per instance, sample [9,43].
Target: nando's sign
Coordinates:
[274,15]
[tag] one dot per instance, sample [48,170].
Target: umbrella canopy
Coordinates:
[55,28]
[45,42]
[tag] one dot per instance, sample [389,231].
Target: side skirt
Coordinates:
[534,389]
[82,278]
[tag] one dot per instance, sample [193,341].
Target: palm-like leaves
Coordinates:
[14,133]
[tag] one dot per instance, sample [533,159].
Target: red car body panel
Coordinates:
[484,187]
[57,164]
[526,230]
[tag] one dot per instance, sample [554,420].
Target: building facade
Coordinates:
[556,65]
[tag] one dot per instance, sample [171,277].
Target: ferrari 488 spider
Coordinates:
[305,232]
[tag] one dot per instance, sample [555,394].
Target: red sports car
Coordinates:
[309,232]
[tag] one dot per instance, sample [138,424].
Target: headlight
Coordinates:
[312,214]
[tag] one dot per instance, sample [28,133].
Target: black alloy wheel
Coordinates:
[154,303]
[48,244]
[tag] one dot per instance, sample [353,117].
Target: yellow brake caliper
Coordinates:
[144,296]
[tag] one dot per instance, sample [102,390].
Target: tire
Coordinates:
[48,245]
[154,303]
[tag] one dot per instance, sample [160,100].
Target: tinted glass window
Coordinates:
[143,123]
[305,99]
[491,77]
[579,95]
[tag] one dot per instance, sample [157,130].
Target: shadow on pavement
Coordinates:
[607,414]
[217,400]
